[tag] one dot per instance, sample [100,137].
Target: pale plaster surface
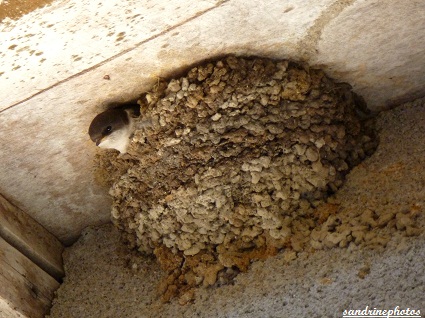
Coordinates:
[371,45]
[53,61]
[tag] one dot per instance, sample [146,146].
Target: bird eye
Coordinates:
[108,130]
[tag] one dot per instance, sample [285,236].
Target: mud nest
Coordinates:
[236,151]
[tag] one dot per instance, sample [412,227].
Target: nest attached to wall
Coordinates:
[237,152]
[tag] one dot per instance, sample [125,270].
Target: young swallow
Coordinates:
[114,127]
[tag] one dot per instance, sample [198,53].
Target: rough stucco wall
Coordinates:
[383,269]
[53,61]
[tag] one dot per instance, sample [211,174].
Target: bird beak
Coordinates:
[98,141]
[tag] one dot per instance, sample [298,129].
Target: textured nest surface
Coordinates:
[239,154]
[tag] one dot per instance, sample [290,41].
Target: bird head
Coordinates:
[112,129]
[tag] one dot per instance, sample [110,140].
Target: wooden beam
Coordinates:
[25,289]
[31,239]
